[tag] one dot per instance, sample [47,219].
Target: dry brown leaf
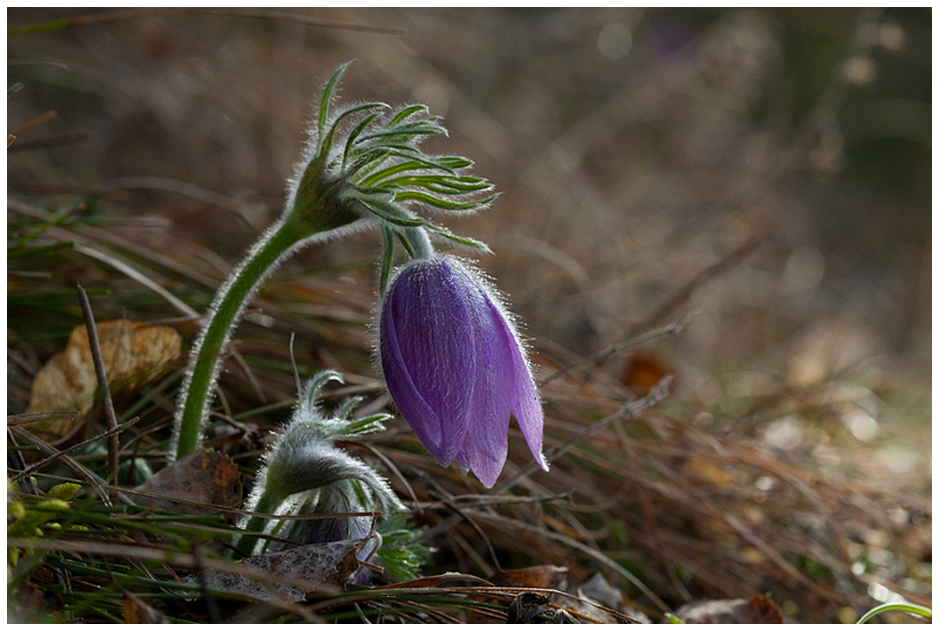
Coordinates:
[207,477]
[317,567]
[544,576]
[708,472]
[643,372]
[132,354]
[757,609]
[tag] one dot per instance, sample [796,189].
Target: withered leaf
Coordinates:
[132,354]
[544,576]
[313,567]
[642,373]
[757,609]
[201,477]
[708,472]
[597,589]
[763,610]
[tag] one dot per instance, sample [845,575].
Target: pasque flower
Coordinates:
[455,367]
[304,473]
[362,166]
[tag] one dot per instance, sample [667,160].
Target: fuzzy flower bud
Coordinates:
[304,471]
[455,366]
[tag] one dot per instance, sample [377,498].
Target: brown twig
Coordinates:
[103,391]
[25,419]
[36,122]
[489,546]
[243,512]
[479,501]
[93,479]
[112,432]
[52,141]
[15,459]
[681,295]
[249,374]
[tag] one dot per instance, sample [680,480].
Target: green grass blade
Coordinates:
[909,608]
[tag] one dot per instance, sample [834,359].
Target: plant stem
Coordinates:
[226,311]
[316,206]
[418,238]
[267,503]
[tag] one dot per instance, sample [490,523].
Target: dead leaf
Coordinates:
[708,472]
[545,576]
[201,477]
[597,589]
[314,567]
[132,354]
[642,373]
[757,609]
[764,610]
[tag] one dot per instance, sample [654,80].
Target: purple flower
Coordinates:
[455,368]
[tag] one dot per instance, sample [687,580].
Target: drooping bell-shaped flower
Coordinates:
[455,366]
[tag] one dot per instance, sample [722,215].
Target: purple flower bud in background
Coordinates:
[455,366]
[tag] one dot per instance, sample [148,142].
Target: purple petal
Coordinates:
[490,409]
[486,467]
[417,413]
[427,354]
[525,399]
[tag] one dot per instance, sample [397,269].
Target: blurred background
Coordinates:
[768,170]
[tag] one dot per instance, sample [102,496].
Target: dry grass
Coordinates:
[650,164]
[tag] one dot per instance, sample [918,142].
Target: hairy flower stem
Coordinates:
[280,240]
[267,504]
[420,242]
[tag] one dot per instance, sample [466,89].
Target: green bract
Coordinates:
[378,171]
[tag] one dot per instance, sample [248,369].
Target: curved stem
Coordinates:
[267,503]
[420,242]
[226,310]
